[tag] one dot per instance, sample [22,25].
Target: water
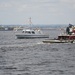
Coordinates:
[32,57]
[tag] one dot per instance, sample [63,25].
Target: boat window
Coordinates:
[28,32]
[22,31]
[33,32]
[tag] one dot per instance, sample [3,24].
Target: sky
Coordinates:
[40,11]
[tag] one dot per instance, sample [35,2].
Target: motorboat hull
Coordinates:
[65,37]
[32,36]
[57,41]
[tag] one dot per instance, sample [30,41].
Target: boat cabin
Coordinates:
[29,31]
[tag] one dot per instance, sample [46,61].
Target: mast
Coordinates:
[30,22]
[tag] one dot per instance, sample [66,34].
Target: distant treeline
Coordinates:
[11,27]
[6,28]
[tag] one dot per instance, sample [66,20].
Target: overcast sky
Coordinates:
[40,11]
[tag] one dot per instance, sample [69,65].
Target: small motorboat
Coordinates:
[68,36]
[69,33]
[31,33]
[57,41]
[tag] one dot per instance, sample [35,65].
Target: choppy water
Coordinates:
[32,57]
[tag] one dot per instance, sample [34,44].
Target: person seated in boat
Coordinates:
[74,30]
[69,29]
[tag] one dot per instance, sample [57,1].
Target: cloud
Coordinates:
[46,1]
[70,3]
[33,7]
[37,5]
[4,5]
[41,9]
[24,5]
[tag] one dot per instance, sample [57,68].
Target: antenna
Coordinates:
[30,21]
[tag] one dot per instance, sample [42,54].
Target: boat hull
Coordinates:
[57,41]
[32,36]
[67,37]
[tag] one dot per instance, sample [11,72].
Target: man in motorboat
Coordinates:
[70,29]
